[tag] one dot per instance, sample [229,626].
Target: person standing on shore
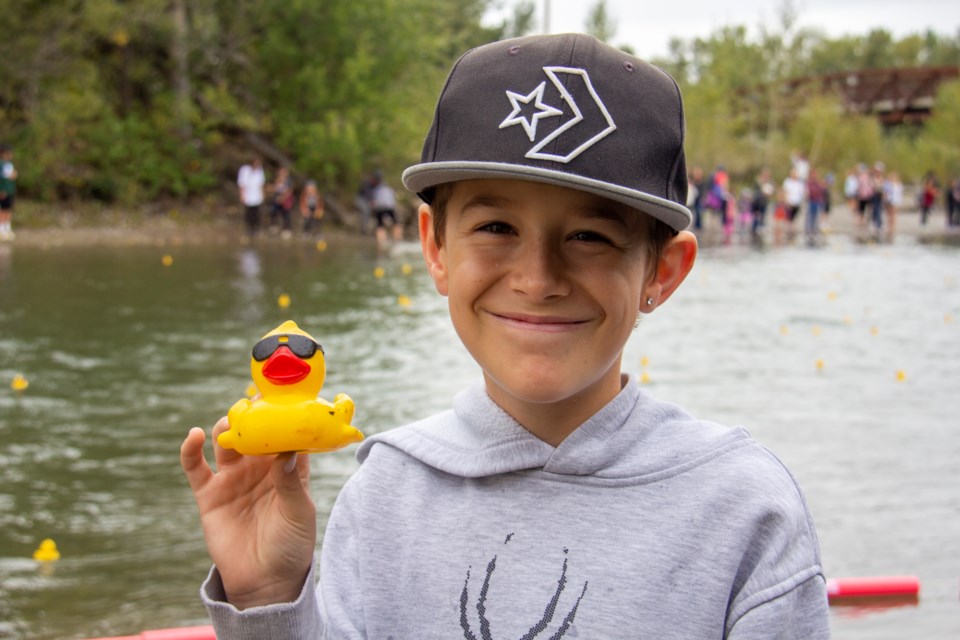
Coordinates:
[695,196]
[251,180]
[312,209]
[816,204]
[952,198]
[763,192]
[282,201]
[928,196]
[877,177]
[794,191]
[850,185]
[8,191]
[892,199]
[864,195]
[383,203]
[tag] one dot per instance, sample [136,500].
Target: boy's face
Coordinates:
[544,285]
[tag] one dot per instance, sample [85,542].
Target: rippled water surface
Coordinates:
[845,360]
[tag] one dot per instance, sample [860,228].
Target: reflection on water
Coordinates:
[249,285]
[844,360]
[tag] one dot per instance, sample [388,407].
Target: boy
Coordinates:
[556,499]
[8,191]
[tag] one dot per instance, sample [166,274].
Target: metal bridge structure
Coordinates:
[899,96]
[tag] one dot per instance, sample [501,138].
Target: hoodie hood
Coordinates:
[633,435]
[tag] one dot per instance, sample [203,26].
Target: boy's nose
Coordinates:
[540,273]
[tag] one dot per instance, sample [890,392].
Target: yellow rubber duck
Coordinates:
[288,368]
[47,551]
[19,382]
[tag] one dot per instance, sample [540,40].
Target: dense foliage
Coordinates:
[135,100]
[132,100]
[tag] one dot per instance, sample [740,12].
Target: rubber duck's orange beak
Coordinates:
[283,367]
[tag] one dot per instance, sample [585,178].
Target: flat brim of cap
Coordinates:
[421,177]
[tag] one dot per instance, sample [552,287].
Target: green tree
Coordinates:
[831,138]
[138,99]
[599,23]
[938,146]
[521,21]
[878,50]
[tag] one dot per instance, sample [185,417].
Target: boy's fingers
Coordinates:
[290,474]
[223,456]
[291,471]
[194,465]
[222,425]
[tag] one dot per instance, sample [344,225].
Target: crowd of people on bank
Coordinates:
[798,205]
[873,195]
[376,202]
[280,198]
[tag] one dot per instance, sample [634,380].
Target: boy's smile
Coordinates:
[544,285]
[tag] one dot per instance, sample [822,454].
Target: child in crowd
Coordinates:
[556,498]
[312,209]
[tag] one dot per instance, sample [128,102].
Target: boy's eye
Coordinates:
[590,236]
[495,227]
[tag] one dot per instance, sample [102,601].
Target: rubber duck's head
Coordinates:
[288,360]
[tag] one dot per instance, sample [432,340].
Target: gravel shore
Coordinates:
[166,230]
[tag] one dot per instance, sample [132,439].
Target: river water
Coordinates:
[845,360]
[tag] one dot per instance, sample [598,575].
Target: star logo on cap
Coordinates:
[519,101]
[580,132]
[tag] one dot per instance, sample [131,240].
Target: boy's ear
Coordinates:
[433,255]
[676,261]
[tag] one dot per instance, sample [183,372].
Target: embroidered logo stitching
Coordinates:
[544,110]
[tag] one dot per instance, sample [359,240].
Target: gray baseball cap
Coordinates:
[566,110]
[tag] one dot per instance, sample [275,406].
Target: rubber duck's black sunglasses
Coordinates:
[301,346]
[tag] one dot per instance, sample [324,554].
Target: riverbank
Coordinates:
[212,222]
[156,224]
[842,222]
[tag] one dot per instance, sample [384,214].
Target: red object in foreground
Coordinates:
[874,587]
[181,633]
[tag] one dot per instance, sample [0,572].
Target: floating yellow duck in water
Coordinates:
[19,383]
[288,368]
[47,551]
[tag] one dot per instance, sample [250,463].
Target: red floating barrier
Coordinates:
[179,633]
[874,587]
[183,633]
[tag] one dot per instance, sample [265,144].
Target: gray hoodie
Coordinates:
[644,523]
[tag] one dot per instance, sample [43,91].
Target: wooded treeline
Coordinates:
[136,100]
[131,100]
[739,115]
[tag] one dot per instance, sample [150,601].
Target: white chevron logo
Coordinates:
[575,130]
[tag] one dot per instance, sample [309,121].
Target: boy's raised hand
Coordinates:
[258,519]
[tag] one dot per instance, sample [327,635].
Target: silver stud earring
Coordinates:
[649,301]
